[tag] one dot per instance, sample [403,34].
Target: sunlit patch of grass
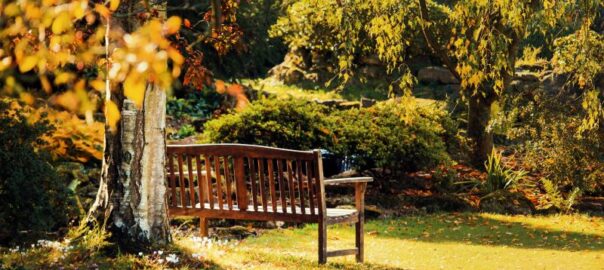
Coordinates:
[435,241]
[285,91]
[438,241]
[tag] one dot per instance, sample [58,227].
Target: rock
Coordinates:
[367,102]
[330,102]
[370,60]
[526,75]
[591,204]
[534,66]
[348,105]
[505,202]
[436,74]
[371,72]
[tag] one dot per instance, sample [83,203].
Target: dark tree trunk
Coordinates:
[479,115]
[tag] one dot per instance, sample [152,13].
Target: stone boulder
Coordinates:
[436,74]
[505,202]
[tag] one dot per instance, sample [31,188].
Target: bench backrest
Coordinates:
[286,184]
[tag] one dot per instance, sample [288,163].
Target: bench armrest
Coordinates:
[348,180]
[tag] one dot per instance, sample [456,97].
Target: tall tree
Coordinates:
[121,51]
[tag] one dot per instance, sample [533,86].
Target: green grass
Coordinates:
[439,241]
[310,92]
[436,241]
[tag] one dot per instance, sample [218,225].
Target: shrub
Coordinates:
[498,177]
[33,197]
[398,135]
[199,104]
[394,136]
[287,123]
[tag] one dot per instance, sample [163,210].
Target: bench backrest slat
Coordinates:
[235,177]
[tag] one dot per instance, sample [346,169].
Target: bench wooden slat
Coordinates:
[271,184]
[281,185]
[300,185]
[290,184]
[240,185]
[191,179]
[172,179]
[209,181]
[262,183]
[200,178]
[342,252]
[218,182]
[181,179]
[252,166]
[241,150]
[311,195]
[227,180]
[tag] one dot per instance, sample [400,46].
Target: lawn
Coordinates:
[436,241]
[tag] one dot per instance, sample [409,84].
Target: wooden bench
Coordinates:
[248,182]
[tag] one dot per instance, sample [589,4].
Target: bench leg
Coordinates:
[322,242]
[359,240]
[203,226]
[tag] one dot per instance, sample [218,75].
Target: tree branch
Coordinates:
[431,41]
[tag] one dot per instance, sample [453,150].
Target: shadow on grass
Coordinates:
[480,230]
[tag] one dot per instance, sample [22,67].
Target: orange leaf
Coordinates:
[68,100]
[220,87]
[172,25]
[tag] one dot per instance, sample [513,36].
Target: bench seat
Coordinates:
[333,215]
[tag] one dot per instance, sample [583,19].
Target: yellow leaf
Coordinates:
[113,4]
[26,97]
[176,56]
[28,63]
[112,115]
[63,78]
[98,85]
[62,23]
[68,100]
[172,25]
[134,89]
[102,10]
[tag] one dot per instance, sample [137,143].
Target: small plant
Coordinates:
[185,131]
[498,177]
[553,196]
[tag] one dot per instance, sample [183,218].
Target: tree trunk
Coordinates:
[481,137]
[131,202]
[131,198]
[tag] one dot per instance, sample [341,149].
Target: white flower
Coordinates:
[160,252]
[172,258]
[140,254]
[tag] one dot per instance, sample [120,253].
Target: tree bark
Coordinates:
[479,115]
[130,202]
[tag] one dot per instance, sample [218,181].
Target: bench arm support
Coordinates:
[360,184]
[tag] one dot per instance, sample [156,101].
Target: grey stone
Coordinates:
[436,74]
